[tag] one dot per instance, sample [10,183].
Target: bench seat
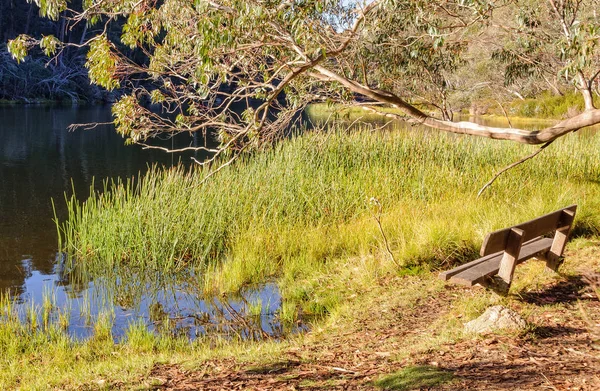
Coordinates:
[477,271]
[504,249]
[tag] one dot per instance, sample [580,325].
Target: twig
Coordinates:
[184,149]
[89,126]
[377,218]
[338,369]
[505,113]
[581,353]
[523,160]
[549,382]
[222,166]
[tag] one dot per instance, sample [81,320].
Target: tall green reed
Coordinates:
[291,210]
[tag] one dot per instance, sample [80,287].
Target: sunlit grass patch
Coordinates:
[299,215]
[414,377]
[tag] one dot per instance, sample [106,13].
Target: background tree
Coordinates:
[64,76]
[242,69]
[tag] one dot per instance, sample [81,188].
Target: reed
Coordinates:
[36,351]
[300,211]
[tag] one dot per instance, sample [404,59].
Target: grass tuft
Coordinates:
[414,378]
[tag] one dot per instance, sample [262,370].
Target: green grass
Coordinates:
[39,356]
[414,378]
[300,212]
[548,105]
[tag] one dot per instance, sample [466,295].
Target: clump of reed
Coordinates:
[300,211]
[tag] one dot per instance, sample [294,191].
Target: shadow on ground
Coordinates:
[569,290]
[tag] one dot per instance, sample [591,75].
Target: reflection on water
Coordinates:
[169,306]
[39,161]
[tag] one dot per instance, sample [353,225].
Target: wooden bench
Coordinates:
[504,249]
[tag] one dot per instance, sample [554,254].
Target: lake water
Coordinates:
[41,161]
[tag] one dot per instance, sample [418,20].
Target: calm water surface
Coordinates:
[41,161]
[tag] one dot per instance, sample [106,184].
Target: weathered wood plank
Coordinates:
[491,266]
[560,239]
[511,255]
[497,240]
[447,274]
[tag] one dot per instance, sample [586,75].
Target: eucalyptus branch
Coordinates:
[178,150]
[513,165]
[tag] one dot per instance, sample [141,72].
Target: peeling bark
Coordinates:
[586,92]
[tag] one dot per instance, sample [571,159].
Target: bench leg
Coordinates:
[510,256]
[554,256]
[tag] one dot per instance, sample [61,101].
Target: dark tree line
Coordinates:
[64,77]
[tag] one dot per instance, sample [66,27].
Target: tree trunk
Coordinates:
[586,91]
[29,16]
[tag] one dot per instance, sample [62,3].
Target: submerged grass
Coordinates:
[41,356]
[300,213]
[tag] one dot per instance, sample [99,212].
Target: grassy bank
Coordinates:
[305,215]
[300,212]
[545,106]
[548,105]
[36,352]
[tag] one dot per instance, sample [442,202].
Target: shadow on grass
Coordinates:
[417,377]
[274,368]
[568,291]
[542,332]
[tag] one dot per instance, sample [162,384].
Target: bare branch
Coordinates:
[504,112]
[219,168]
[185,149]
[585,119]
[523,160]
[88,126]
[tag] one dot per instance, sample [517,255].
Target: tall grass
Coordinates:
[300,212]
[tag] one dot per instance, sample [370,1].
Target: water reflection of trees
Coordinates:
[40,160]
[175,305]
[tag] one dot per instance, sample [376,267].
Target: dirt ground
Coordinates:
[560,350]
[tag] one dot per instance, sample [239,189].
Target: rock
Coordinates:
[496,318]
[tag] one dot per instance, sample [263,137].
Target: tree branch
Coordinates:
[585,119]
[523,160]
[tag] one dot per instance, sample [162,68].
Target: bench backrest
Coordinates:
[497,240]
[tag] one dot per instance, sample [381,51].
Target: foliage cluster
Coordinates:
[48,72]
[201,61]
